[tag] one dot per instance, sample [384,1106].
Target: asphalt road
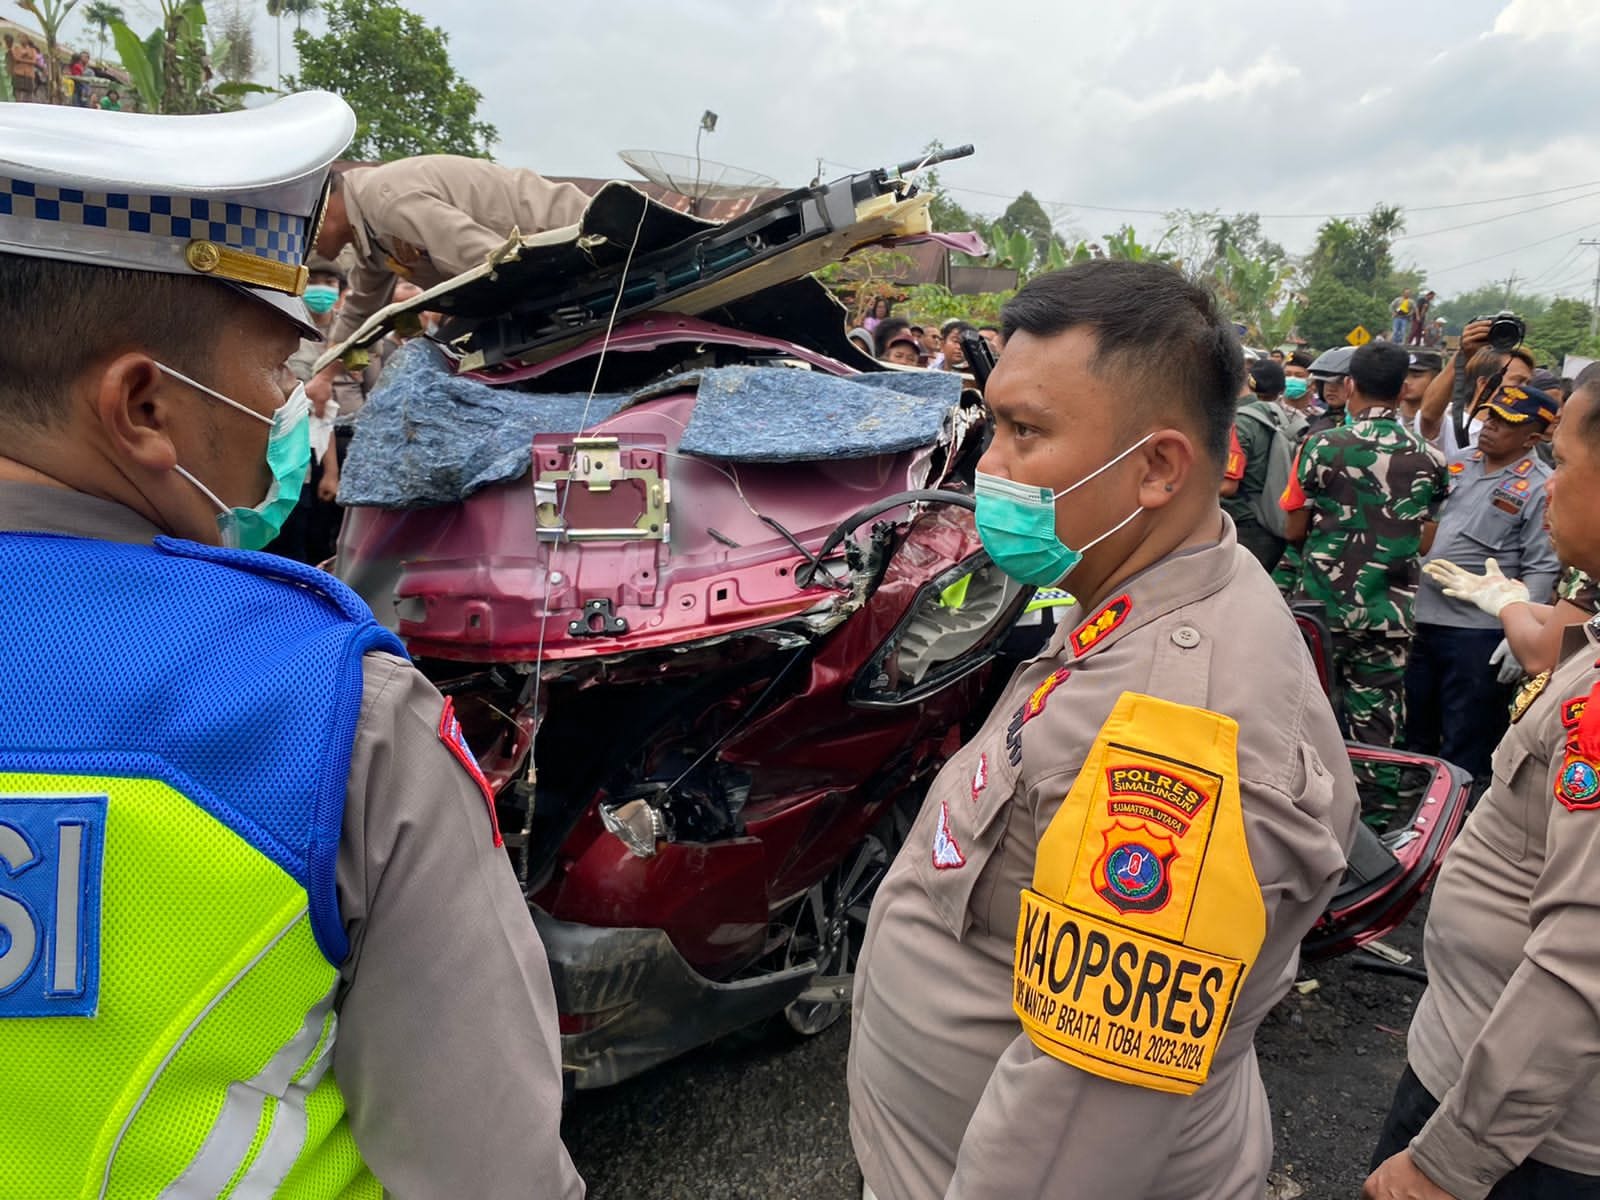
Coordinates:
[767,1120]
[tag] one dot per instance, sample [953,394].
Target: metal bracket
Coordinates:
[599,465]
[599,619]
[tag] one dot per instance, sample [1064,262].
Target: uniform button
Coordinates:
[1186,636]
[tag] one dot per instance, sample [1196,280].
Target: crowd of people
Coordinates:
[77,81]
[1375,483]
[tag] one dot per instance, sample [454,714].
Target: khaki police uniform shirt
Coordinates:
[1507,1036]
[428,219]
[948,1097]
[447,1050]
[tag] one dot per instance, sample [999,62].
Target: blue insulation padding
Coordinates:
[428,437]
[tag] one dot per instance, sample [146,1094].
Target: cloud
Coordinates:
[1235,105]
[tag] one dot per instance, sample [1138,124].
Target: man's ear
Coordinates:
[1169,459]
[133,406]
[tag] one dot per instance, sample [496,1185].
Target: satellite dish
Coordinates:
[698,179]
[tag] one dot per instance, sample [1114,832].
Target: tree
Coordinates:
[234,48]
[51,14]
[100,17]
[1333,309]
[296,8]
[1025,215]
[394,70]
[1124,243]
[1486,301]
[1356,254]
[1559,331]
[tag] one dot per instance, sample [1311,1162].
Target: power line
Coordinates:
[1515,249]
[1488,220]
[1557,267]
[1594,308]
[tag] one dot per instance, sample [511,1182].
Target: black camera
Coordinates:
[1506,330]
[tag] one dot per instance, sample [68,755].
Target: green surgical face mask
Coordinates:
[1017,524]
[1294,389]
[320,297]
[288,457]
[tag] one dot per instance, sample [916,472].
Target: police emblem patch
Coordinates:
[980,776]
[1094,630]
[1578,785]
[1150,791]
[1133,871]
[947,854]
[455,741]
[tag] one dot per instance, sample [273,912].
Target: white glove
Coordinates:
[1490,591]
[1510,670]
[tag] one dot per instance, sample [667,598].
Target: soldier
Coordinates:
[258,936]
[1106,888]
[1363,502]
[1495,511]
[1501,1095]
[427,220]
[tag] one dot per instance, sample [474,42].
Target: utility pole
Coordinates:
[1594,307]
[1511,282]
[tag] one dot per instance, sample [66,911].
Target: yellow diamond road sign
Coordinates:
[1358,336]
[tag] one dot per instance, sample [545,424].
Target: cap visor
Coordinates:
[291,308]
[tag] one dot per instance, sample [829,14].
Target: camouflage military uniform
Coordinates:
[1370,486]
[1577,588]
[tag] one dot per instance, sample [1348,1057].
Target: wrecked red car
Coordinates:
[703,583]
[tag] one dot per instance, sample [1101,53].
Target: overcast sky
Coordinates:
[1284,108]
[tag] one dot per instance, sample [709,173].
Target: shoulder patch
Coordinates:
[1523,467]
[1092,631]
[455,741]
[1578,784]
[1457,467]
[1034,704]
[947,854]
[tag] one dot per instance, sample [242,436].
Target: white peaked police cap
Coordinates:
[236,197]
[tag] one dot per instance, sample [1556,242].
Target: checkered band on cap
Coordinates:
[275,236]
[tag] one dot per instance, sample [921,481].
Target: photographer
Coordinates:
[1490,355]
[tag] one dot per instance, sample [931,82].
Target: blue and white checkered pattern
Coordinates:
[278,236]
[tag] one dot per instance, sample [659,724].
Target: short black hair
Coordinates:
[988,329]
[1266,378]
[955,326]
[1150,323]
[890,326]
[1379,370]
[1301,358]
[60,317]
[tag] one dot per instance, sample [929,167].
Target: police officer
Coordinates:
[1328,371]
[1364,501]
[1106,888]
[1262,418]
[1501,1096]
[426,220]
[1455,703]
[257,936]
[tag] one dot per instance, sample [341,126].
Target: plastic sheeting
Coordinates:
[427,436]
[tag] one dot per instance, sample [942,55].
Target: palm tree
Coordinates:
[51,15]
[100,17]
[298,9]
